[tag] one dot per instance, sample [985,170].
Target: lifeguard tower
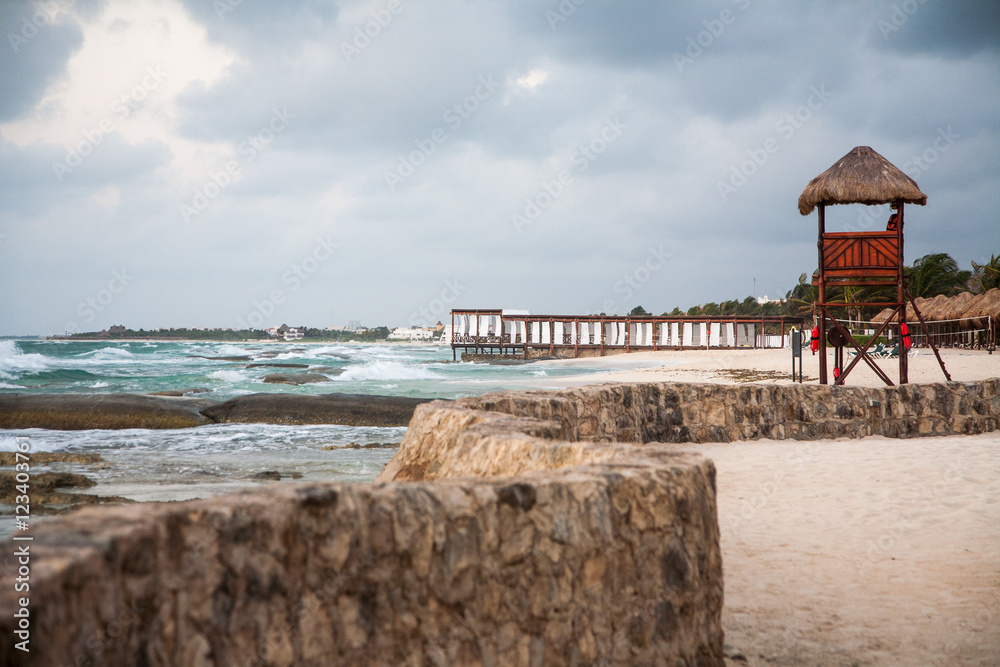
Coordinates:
[861,258]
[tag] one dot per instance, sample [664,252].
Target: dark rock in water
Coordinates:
[71,412]
[180,392]
[348,409]
[42,458]
[241,357]
[334,355]
[267,355]
[276,365]
[294,378]
[326,370]
[44,482]
[298,349]
[274,475]
[370,445]
[44,491]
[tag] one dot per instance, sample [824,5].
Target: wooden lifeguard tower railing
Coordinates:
[862,259]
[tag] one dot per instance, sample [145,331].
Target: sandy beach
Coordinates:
[852,552]
[775,366]
[861,552]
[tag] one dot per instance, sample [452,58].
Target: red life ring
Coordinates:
[904,333]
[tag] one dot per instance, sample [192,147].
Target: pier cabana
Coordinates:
[861,258]
[487,333]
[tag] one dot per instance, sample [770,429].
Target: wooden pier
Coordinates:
[515,334]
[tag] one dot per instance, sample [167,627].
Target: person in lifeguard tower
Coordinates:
[893,223]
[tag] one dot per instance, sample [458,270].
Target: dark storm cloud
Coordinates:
[37,42]
[485,107]
[954,29]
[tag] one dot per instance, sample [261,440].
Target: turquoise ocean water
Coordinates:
[184,463]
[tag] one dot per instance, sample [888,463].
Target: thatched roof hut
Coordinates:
[934,308]
[860,177]
[983,306]
[964,306]
[990,305]
[883,315]
[957,305]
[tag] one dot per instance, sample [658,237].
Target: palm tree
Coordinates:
[986,276]
[935,274]
[804,297]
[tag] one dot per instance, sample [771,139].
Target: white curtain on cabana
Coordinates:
[728,335]
[714,335]
[688,339]
[647,335]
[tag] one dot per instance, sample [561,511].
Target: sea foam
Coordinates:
[386,370]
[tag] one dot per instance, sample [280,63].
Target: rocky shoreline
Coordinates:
[68,412]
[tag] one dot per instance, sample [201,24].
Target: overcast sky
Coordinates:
[242,162]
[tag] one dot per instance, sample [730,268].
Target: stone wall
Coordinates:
[675,412]
[605,554]
[545,539]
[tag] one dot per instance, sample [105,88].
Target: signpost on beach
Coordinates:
[796,352]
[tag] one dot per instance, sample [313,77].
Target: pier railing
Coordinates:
[496,332]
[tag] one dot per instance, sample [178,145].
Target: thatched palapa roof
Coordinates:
[860,177]
[964,306]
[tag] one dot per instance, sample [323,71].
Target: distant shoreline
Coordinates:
[152,339]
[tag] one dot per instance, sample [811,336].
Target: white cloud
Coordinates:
[137,57]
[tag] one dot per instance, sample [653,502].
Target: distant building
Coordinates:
[354,325]
[411,333]
[286,332]
[117,328]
